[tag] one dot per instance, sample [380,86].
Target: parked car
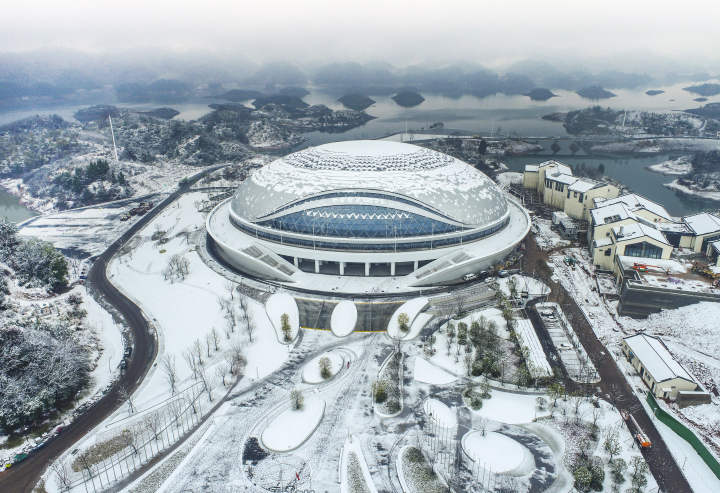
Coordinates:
[508,272]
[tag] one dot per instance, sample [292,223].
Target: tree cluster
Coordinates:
[36,263]
[41,367]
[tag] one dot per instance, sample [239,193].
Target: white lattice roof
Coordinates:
[426,177]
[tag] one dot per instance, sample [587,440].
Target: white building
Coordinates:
[665,377]
[367,208]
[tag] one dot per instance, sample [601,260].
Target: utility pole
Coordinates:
[112,132]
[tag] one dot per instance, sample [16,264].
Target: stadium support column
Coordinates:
[415,265]
[295,261]
[392,268]
[367,269]
[342,268]
[317,267]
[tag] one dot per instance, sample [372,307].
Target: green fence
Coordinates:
[686,434]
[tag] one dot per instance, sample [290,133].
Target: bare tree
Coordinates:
[203,380]
[215,338]
[124,395]
[230,288]
[153,423]
[62,472]
[221,370]
[131,438]
[189,357]
[178,267]
[168,367]
[197,349]
[237,360]
[244,316]
[208,344]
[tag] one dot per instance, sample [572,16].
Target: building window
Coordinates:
[643,249]
[568,194]
[608,251]
[581,198]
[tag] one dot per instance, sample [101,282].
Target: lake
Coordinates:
[12,209]
[490,116]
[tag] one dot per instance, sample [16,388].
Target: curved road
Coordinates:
[22,477]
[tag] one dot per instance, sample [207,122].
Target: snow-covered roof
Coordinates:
[539,366]
[608,214]
[562,178]
[559,167]
[703,223]
[670,266]
[635,202]
[399,171]
[583,185]
[531,168]
[672,227]
[656,359]
[638,230]
[602,242]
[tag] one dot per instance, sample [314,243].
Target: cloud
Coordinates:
[401,32]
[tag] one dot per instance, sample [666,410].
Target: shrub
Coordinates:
[380,391]
[325,367]
[403,322]
[297,401]
[285,326]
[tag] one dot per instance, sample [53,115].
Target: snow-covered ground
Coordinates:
[278,305]
[343,318]
[499,452]
[510,407]
[311,370]
[546,238]
[524,285]
[293,426]
[440,413]
[411,308]
[678,166]
[427,372]
[83,232]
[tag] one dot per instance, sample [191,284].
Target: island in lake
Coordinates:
[356,101]
[707,89]
[408,99]
[540,94]
[595,92]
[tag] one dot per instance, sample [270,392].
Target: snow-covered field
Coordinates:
[83,232]
[499,452]
[293,426]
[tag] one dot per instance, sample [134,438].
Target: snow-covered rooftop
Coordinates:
[672,227]
[656,359]
[408,172]
[531,168]
[635,202]
[638,230]
[611,213]
[562,178]
[669,266]
[703,223]
[558,167]
[601,242]
[583,185]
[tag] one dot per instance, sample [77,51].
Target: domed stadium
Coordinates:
[366,208]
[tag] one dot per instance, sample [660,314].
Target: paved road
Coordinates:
[613,384]
[22,477]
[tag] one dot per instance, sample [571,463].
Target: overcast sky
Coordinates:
[490,32]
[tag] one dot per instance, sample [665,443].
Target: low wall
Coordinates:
[686,434]
[639,301]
